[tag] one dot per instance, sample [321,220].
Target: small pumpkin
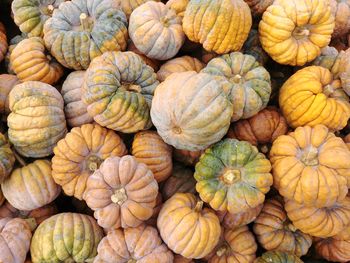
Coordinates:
[278,257]
[7,83]
[153,63]
[189,158]
[3,42]
[333,249]
[7,158]
[179,6]
[341,12]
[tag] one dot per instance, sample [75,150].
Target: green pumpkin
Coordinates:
[278,257]
[233,176]
[7,158]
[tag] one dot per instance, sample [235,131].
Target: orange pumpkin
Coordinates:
[7,83]
[333,249]
[3,42]
[152,221]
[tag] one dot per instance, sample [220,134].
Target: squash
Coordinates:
[13,43]
[79,155]
[344,69]
[341,12]
[7,158]
[312,96]
[152,221]
[153,63]
[191,110]
[179,6]
[184,226]
[76,237]
[156,30]
[36,122]
[3,42]
[149,148]
[233,176]
[258,7]
[180,64]
[221,26]
[122,192]
[7,83]
[30,62]
[293,33]
[250,84]
[252,45]
[311,166]
[333,249]
[189,158]
[81,30]
[121,98]
[278,257]
[74,108]
[128,6]
[138,244]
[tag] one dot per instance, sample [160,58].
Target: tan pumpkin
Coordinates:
[7,83]
[7,158]
[13,43]
[333,249]
[128,6]
[179,6]
[341,12]
[153,63]
[186,157]
[3,42]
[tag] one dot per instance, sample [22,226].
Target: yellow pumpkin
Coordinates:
[179,6]
[7,158]
[3,42]
[128,6]
[7,83]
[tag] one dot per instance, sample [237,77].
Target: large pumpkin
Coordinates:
[185,226]
[3,42]
[7,158]
[118,90]
[293,32]
[333,249]
[311,166]
[341,12]
[7,83]
[81,30]
[80,153]
[278,257]
[233,176]
[191,110]
[219,25]
[250,85]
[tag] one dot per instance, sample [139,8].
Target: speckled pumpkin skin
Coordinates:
[233,176]
[36,122]
[221,26]
[128,6]
[333,249]
[278,257]
[3,42]
[118,90]
[293,32]
[250,85]
[76,237]
[75,43]
[7,158]
[7,83]
[341,12]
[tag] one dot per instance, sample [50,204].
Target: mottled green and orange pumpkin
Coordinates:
[7,158]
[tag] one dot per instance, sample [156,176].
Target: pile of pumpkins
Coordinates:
[137,131]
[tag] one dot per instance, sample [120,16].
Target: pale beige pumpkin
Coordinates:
[341,12]
[7,83]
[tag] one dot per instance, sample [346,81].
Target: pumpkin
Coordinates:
[341,12]
[252,46]
[66,237]
[184,226]
[128,6]
[138,244]
[258,7]
[36,122]
[7,83]
[191,110]
[344,69]
[3,42]
[118,90]
[152,221]
[29,62]
[7,158]
[80,153]
[149,148]
[156,30]
[250,84]
[179,6]
[13,43]
[2,198]
[233,176]
[221,26]
[74,108]
[311,166]
[80,30]
[293,33]
[186,157]
[333,249]
[181,259]
[122,192]
[180,64]
[278,257]
[153,63]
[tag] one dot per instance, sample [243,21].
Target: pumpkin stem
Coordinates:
[93,162]
[130,87]
[176,130]
[222,250]
[119,196]
[291,227]
[31,223]
[199,206]
[50,9]
[231,176]
[264,149]
[236,78]
[310,156]
[19,158]
[301,32]
[328,90]
[84,21]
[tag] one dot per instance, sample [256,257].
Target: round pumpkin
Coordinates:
[80,30]
[179,6]
[341,12]
[250,84]
[3,42]
[80,153]
[186,157]
[221,26]
[185,226]
[153,63]
[278,257]
[191,110]
[138,244]
[66,237]
[7,158]
[233,176]
[118,90]
[7,83]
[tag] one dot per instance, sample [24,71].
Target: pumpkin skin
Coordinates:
[179,6]
[250,84]
[189,158]
[74,38]
[7,83]
[118,196]
[3,42]
[2,198]
[80,153]
[152,221]
[258,7]
[7,158]
[181,259]
[341,12]
[76,239]
[344,69]
[333,249]
[185,104]
[278,257]
[292,33]
[213,23]
[128,6]
[13,43]
[118,90]
[153,63]
[229,171]
[184,226]
[128,245]
[314,160]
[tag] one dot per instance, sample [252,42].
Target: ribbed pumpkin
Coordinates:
[191,110]
[81,30]
[344,69]
[258,7]
[3,42]
[156,30]
[153,63]
[7,158]
[7,83]
[185,226]
[66,237]
[233,176]
[128,6]
[139,244]
[219,25]
[80,153]
[181,259]
[252,45]
[311,166]
[186,157]
[13,43]
[278,257]
[179,6]
[122,192]
[180,64]
[333,249]
[250,85]
[118,90]
[149,148]
[341,12]
[293,32]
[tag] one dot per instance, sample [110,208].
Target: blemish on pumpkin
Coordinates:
[231,176]
[119,196]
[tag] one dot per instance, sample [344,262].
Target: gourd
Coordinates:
[13,43]
[189,158]
[79,154]
[179,6]
[333,249]
[80,30]
[341,12]
[258,7]
[278,257]
[7,83]
[128,6]
[7,158]
[153,63]
[152,221]
[3,42]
